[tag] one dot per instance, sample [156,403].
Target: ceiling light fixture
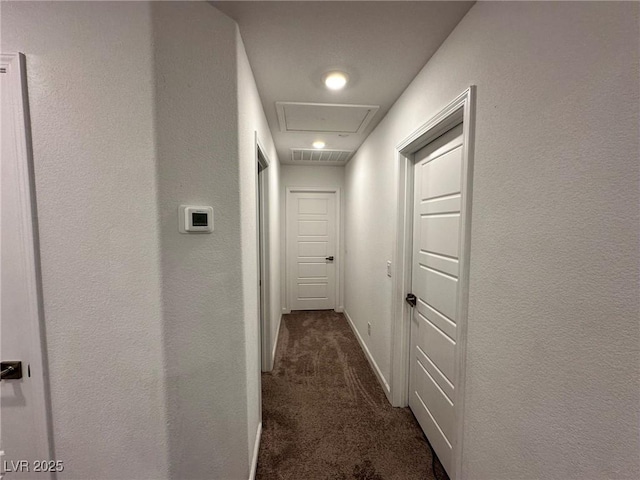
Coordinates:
[318,144]
[335,80]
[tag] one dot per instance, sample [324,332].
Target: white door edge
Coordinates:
[15,66]
[460,110]
[339,245]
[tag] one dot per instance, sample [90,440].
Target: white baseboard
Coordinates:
[275,344]
[339,309]
[256,450]
[372,362]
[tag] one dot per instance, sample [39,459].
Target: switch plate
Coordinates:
[388,268]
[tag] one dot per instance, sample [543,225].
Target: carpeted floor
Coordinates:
[325,415]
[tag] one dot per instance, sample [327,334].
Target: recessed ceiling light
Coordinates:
[318,144]
[335,80]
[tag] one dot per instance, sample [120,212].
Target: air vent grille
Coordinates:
[312,156]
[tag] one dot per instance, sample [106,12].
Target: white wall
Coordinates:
[91,94]
[204,307]
[251,119]
[134,112]
[553,345]
[310,176]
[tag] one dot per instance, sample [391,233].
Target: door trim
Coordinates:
[14,64]
[262,218]
[460,110]
[338,262]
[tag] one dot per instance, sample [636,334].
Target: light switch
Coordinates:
[388,268]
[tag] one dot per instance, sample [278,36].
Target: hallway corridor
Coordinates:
[325,415]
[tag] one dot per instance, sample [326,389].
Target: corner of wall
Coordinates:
[196,130]
[252,123]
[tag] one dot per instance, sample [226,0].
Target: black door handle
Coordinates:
[330,258]
[411,299]
[10,370]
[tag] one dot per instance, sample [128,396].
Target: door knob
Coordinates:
[411,299]
[330,258]
[10,370]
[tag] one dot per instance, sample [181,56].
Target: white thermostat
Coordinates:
[194,219]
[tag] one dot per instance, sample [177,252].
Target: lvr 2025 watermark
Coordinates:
[35,466]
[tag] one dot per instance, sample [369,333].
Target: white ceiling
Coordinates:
[381,45]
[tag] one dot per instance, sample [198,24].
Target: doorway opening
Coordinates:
[430,289]
[262,210]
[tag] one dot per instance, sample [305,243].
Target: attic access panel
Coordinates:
[324,117]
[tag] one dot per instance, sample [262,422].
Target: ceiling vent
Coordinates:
[309,156]
[324,117]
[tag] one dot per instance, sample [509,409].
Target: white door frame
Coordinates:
[262,218]
[338,254]
[15,67]
[460,110]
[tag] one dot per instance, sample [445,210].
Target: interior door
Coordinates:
[435,272]
[23,419]
[311,250]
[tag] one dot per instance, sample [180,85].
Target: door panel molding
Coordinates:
[460,110]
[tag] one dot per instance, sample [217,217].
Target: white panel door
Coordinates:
[435,267]
[23,423]
[311,250]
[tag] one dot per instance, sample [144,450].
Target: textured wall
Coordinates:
[370,212]
[275,220]
[197,150]
[251,119]
[553,347]
[89,69]
[135,111]
[310,176]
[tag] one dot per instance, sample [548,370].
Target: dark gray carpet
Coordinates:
[325,415]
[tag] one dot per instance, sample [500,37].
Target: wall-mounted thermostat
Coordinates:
[194,219]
